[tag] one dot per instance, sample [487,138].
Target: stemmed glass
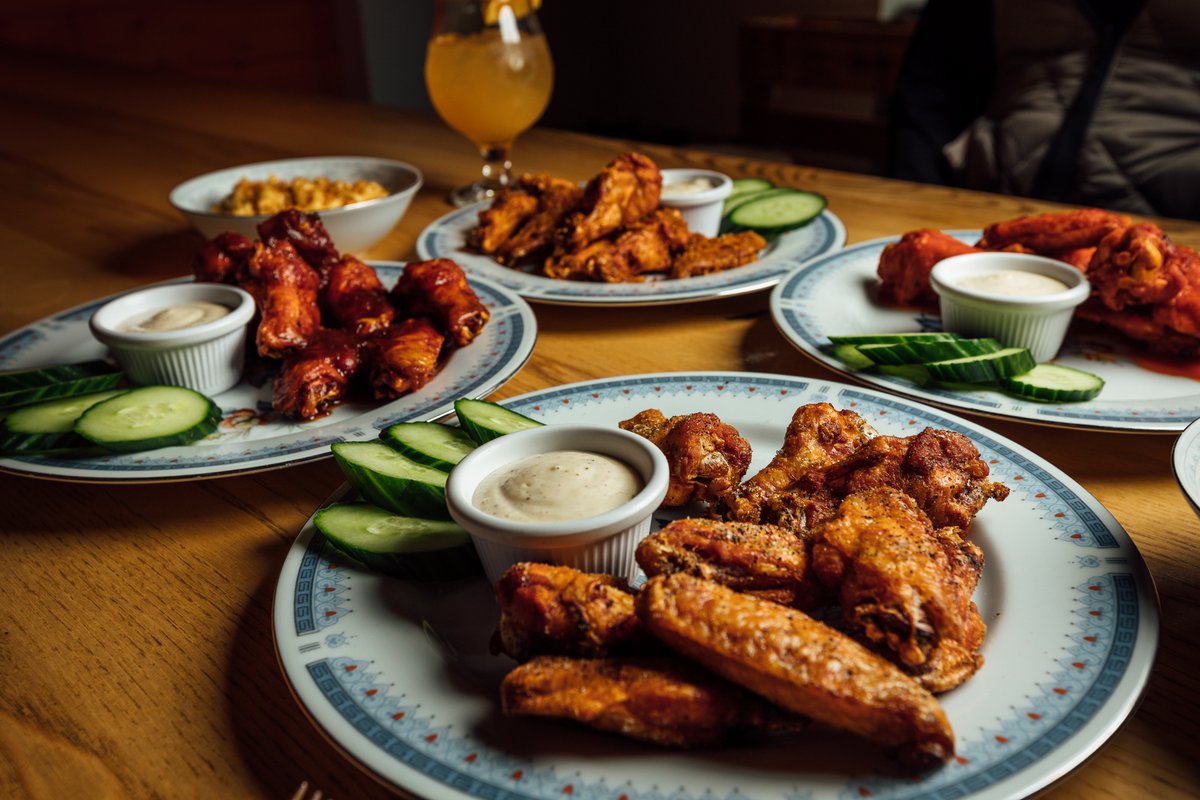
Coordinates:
[489,75]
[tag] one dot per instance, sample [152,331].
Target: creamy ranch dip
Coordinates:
[690,186]
[1014,283]
[557,486]
[177,317]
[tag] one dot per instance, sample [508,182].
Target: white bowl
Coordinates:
[1038,322]
[353,228]
[602,543]
[207,357]
[701,210]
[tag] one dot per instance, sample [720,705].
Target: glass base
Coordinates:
[471,193]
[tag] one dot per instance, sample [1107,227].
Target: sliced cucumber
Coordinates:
[406,547]
[392,480]
[1052,383]
[917,373]
[438,446]
[887,338]
[778,213]
[149,417]
[985,368]
[26,386]
[744,186]
[850,356]
[485,421]
[921,352]
[49,426]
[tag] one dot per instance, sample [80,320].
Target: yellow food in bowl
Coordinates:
[253,198]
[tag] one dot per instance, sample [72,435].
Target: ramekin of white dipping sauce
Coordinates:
[699,195]
[1018,299]
[178,334]
[577,495]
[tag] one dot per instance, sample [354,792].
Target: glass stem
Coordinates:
[497,168]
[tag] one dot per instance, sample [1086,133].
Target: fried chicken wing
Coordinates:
[403,357]
[285,288]
[704,255]
[802,665]
[1054,232]
[353,297]
[438,289]
[707,457]
[223,259]
[648,245]
[555,610]
[764,560]
[556,200]
[902,585]
[499,221]
[315,378]
[305,232]
[904,267]
[662,700]
[626,190]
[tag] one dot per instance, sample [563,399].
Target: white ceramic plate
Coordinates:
[1185,461]
[398,674]
[250,438]
[446,238]
[834,295]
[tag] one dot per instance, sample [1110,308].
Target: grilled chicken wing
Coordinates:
[314,379]
[555,610]
[285,288]
[707,457]
[353,297]
[902,585]
[403,357]
[793,660]
[704,255]
[625,191]
[904,267]
[763,560]
[661,700]
[438,289]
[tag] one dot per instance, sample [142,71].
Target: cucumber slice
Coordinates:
[850,356]
[744,186]
[917,373]
[883,338]
[485,421]
[149,417]
[26,386]
[734,201]
[438,446]
[985,368]
[393,481]
[405,547]
[920,352]
[49,426]
[778,213]
[1052,383]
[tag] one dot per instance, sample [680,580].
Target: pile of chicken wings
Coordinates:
[1143,284]
[612,230]
[833,585]
[331,323]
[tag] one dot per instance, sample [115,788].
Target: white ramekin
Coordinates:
[1038,322]
[701,210]
[207,358]
[602,543]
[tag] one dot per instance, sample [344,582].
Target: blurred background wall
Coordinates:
[805,80]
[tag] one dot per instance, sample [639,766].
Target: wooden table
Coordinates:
[136,640]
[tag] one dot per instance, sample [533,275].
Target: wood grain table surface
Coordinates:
[135,639]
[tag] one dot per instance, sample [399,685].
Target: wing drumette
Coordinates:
[403,357]
[438,289]
[707,457]
[314,379]
[353,297]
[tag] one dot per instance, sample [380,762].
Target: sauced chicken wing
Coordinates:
[707,457]
[804,666]
[314,379]
[223,259]
[354,298]
[661,700]
[904,266]
[554,610]
[903,586]
[626,190]
[499,221]
[703,255]
[403,357]
[438,289]
[285,288]
[817,435]
[1054,232]
[304,231]
[763,560]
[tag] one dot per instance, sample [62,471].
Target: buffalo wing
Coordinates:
[438,289]
[904,266]
[313,379]
[285,288]
[354,298]
[403,357]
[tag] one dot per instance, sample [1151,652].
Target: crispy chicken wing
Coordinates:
[555,610]
[556,200]
[403,357]
[904,267]
[704,255]
[353,297]
[438,289]
[625,191]
[902,585]
[661,700]
[707,457]
[315,378]
[647,245]
[1054,232]
[499,221]
[764,560]
[285,288]
[797,662]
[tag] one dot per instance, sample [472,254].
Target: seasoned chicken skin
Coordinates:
[802,665]
[661,700]
[438,289]
[626,190]
[704,255]
[499,221]
[707,457]
[556,200]
[648,245]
